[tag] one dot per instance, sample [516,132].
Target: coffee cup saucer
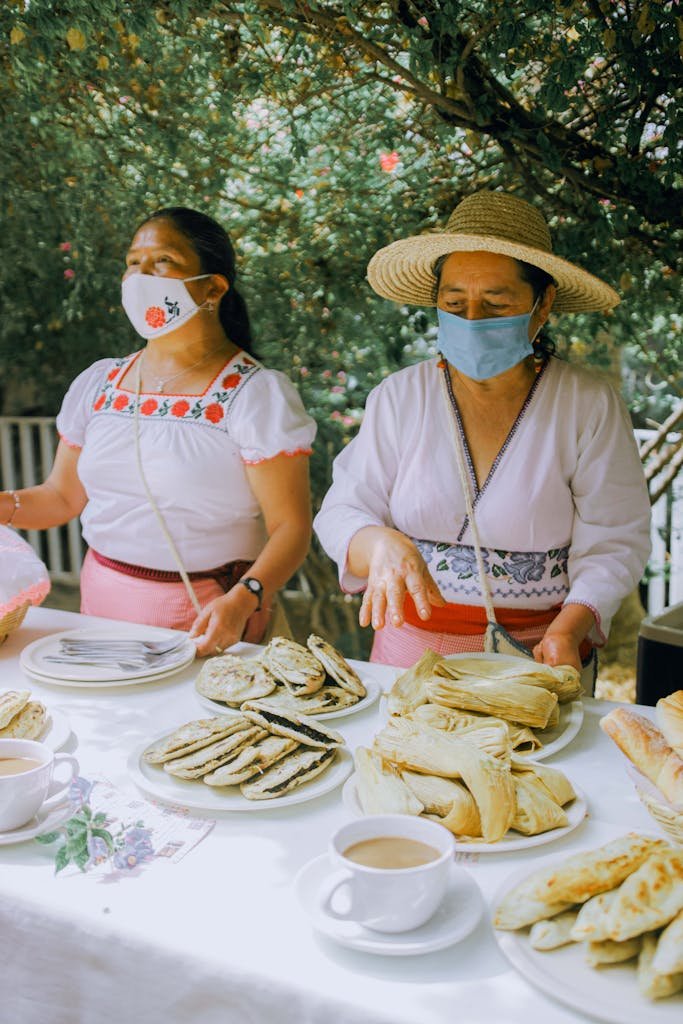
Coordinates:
[457,916]
[43,821]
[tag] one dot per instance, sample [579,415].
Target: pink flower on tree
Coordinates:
[389,161]
[69,273]
[65,246]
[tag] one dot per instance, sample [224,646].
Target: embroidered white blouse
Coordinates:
[194,451]
[563,515]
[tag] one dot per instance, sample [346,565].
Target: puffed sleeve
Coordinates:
[268,419]
[610,542]
[76,409]
[362,478]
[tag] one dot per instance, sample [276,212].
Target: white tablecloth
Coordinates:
[220,937]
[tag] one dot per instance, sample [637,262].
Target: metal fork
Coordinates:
[148,648]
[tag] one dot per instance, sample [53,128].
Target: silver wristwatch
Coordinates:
[256,588]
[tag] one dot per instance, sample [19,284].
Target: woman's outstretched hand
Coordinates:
[558,649]
[396,567]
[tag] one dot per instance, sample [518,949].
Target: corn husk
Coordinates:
[409,691]
[522,739]
[448,802]
[535,811]
[551,781]
[562,680]
[433,752]
[381,790]
[514,702]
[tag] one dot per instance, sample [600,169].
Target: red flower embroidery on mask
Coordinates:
[231,380]
[179,408]
[148,407]
[155,316]
[112,373]
[120,402]
[214,413]
[99,403]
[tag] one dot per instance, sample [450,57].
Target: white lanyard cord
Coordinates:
[465,484]
[157,511]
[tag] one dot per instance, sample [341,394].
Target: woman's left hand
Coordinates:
[228,619]
[558,649]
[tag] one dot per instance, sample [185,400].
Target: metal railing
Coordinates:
[27,448]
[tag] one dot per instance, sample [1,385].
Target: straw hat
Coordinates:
[490,222]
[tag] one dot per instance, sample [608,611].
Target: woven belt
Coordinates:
[225,575]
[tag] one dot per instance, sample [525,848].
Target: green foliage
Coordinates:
[317,132]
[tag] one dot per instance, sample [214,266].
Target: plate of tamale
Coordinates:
[539,704]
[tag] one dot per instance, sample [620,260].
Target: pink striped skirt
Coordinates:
[115,595]
[402,646]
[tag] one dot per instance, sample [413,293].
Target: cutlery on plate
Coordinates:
[142,647]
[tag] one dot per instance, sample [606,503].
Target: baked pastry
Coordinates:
[306,731]
[650,982]
[610,952]
[251,759]
[593,920]
[289,772]
[668,958]
[554,932]
[335,665]
[234,680]
[201,762]
[645,745]
[11,703]
[670,719]
[28,724]
[293,665]
[193,736]
[650,897]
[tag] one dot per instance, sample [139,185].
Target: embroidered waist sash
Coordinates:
[225,575]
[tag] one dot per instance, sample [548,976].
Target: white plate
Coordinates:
[32,660]
[44,821]
[457,916]
[575,811]
[609,993]
[561,735]
[196,794]
[217,707]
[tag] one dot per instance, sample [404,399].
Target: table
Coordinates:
[219,937]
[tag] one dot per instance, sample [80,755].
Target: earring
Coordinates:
[539,358]
[210,306]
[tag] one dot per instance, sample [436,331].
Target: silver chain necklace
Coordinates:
[159,383]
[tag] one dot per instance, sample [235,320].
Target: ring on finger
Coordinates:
[218,649]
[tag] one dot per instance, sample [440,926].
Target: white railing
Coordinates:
[27,447]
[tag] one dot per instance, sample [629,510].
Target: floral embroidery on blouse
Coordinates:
[211,408]
[512,574]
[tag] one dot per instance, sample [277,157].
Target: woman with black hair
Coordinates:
[493,498]
[187,460]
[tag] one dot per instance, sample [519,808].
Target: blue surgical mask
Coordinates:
[484,348]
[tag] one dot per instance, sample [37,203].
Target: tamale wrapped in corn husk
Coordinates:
[381,790]
[522,739]
[446,801]
[552,781]
[535,811]
[433,752]
[408,692]
[515,702]
[562,680]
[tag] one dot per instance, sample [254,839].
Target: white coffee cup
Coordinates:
[388,899]
[24,794]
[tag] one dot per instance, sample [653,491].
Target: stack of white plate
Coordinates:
[34,663]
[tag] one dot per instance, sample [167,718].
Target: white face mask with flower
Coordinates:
[157,305]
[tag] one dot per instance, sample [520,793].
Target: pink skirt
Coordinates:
[402,646]
[114,595]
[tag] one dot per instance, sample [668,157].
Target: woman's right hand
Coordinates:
[396,567]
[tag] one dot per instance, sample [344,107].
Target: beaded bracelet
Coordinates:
[17,505]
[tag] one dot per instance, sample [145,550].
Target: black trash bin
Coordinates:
[660,655]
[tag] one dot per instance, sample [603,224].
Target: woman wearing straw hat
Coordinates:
[495,490]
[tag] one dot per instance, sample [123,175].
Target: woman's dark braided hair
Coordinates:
[544,346]
[216,256]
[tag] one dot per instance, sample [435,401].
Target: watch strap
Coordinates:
[254,587]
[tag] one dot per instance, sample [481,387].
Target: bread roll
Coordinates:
[670,718]
[644,744]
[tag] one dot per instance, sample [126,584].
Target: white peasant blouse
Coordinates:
[563,516]
[194,452]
